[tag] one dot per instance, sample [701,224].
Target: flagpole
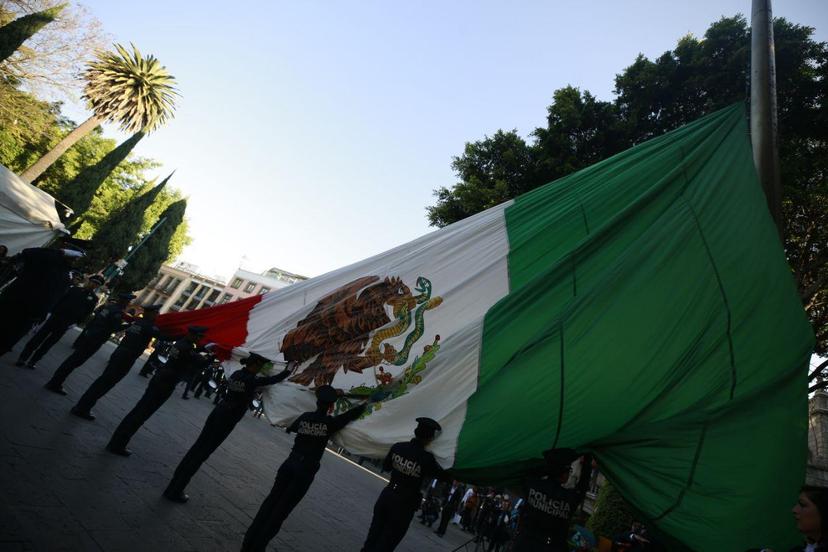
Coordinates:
[120,264]
[763,122]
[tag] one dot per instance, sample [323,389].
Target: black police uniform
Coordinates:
[136,339]
[182,359]
[549,507]
[221,421]
[75,306]
[107,320]
[409,464]
[295,475]
[42,279]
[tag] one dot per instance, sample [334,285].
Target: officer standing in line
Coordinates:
[42,279]
[182,359]
[136,339]
[409,463]
[549,506]
[74,307]
[108,320]
[221,421]
[295,475]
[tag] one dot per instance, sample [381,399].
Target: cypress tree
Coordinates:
[112,240]
[14,34]
[146,262]
[79,192]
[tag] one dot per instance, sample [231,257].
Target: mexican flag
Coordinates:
[641,309]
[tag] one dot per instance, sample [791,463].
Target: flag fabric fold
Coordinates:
[641,309]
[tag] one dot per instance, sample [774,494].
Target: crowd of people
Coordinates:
[40,288]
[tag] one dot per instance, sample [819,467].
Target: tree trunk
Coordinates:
[32,173]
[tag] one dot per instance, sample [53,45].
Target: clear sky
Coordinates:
[311,134]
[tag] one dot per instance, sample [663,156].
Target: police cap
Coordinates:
[560,457]
[151,308]
[254,358]
[197,329]
[98,279]
[428,426]
[326,394]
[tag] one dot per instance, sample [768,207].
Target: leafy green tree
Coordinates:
[79,192]
[580,130]
[121,87]
[147,260]
[14,34]
[612,514]
[27,126]
[49,62]
[114,237]
[24,139]
[491,171]
[655,96]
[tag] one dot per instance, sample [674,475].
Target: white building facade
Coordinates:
[245,283]
[181,288]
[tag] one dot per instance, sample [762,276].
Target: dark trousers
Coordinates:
[116,369]
[49,333]
[13,325]
[149,366]
[83,352]
[190,383]
[219,425]
[392,516]
[203,386]
[293,480]
[445,517]
[156,394]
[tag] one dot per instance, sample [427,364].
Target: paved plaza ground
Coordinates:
[59,489]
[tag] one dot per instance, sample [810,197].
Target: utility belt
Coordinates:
[304,462]
[406,493]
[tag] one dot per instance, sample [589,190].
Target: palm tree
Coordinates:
[121,87]
[14,34]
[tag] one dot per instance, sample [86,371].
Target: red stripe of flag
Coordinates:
[226,324]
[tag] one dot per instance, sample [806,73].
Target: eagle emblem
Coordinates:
[348,328]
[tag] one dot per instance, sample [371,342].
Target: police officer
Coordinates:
[549,506]
[42,279]
[295,475]
[75,306]
[409,463]
[136,339]
[221,421]
[108,320]
[182,359]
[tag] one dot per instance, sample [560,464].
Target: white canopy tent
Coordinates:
[28,215]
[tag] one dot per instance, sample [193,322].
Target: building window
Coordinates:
[264,290]
[214,295]
[171,284]
[237,282]
[250,287]
[227,298]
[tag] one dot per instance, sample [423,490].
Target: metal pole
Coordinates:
[763,124]
[113,269]
[145,238]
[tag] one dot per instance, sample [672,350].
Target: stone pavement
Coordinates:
[59,490]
